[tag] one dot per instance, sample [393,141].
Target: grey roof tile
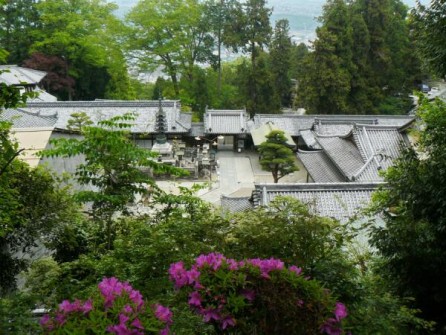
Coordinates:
[343,153]
[309,139]
[320,167]
[236,204]
[292,124]
[225,122]
[341,201]
[385,143]
[145,111]
[16,75]
[24,119]
[332,124]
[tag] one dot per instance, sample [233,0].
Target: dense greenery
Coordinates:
[361,62]
[276,156]
[363,54]
[430,36]
[181,227]
[413,240]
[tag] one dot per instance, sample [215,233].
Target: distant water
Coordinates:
[301,14]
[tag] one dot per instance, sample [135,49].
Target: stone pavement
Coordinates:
[236,175]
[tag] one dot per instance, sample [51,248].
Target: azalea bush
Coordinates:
[257,296]
[115,309]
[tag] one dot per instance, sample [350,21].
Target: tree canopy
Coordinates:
[276,156]
[430,35]
[413,206]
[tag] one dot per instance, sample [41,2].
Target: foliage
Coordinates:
[112,167]
[251,34]
[396,105]
[429,33]
[15,315]
[413,239]
[289,231]
[85,38]
[18,21]
[280,54]
[78,121]
[276,156]
[116,308]
[161,35]
[57,80]
[32,201]
[363,54]
[41,280]
[378,311]
[257,295]
[32,205]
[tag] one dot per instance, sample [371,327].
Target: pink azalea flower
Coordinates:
[233,265]
[137,324]
[214,260]
[340,311]
[87,307]
[210,314]
[127,309]
[331,327]
[123,318]
[227,322]
[195,299]
[178,274]
[193,276]
[163,314]
[295,269]
[46,322]
[136,297]
[249,294]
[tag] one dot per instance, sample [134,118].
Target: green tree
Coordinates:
[276,156]
[256,35]
[413,205]
[85,37]
[78,121]
[261,81]
[160,34]
[280,58]
[325,84]
[18,21]
[363,54]
[217,17]
[430,35]
[112,169]
[32,201]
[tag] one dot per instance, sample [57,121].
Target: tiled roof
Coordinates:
[145,111]
[292,124]
[320,167]
[328,124]
[309,139]
[15,75]
[383,142]
[259,134]
[23,119]
[236,204]
[343,153]
[220,122]
[365,151]
[341,201]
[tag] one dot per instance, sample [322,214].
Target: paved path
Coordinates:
[237,172]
